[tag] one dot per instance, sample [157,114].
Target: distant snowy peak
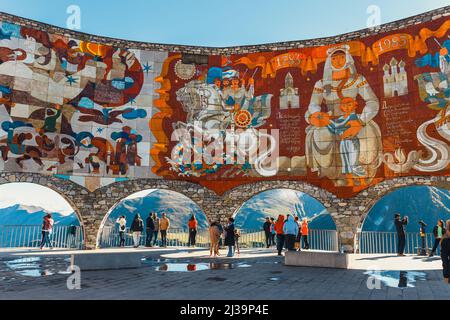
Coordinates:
[31,209]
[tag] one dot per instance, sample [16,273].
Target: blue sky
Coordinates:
[218,23]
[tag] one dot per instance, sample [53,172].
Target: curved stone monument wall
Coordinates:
[342,113]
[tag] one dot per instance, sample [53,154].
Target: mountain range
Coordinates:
[31,215]
[417,202]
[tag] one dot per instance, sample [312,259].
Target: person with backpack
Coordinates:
[149,229]
[122,229]
[137,227]
[47,230]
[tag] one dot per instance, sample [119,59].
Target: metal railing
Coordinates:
[30,236]
[374,242]
[110,238]
[325,240]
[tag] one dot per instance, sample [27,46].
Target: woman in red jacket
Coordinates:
[305,232]
[192,230]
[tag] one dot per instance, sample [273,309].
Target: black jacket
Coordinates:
[400,226]
[435,231]
[150,224]
[229,237]
[445,256]
[137,226]
[266,227]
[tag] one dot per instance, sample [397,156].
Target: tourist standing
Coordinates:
[149,230]
[137,227]
[192,230]
[400,227]
[230,237]
[156,231]
[47,230]
[290,230]
[305,232]
[423,235]
[272,230]
[280,234]
[71,233]
[214,236]
[164,225]
[122,228]
[298,239]
[219,225]
[438,232]
[445,253]
[237,235]
[267,232]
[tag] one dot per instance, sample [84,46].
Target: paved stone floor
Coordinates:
[254,275]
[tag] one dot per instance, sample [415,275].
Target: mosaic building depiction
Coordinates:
[349,115]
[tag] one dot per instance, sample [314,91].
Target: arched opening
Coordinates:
[178,208]
[22,209]
[250,217]
[419,203]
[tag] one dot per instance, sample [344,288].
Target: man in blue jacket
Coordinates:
[290,230]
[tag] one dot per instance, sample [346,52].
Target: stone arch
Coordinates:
[66,189]
[283,188]
[352,212]
[235,198]
[371,196]
[197,202]
[103,200]
[327,205]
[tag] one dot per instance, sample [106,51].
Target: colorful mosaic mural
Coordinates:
[343,116]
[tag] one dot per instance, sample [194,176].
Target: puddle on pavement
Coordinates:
[36,267]
[186,266]
[397,279]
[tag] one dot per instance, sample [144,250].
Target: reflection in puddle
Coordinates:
[397,279]
[36,267]
[192,267]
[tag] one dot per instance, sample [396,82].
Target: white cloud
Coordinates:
[33,195]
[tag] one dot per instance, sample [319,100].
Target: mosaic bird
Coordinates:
[104,117]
